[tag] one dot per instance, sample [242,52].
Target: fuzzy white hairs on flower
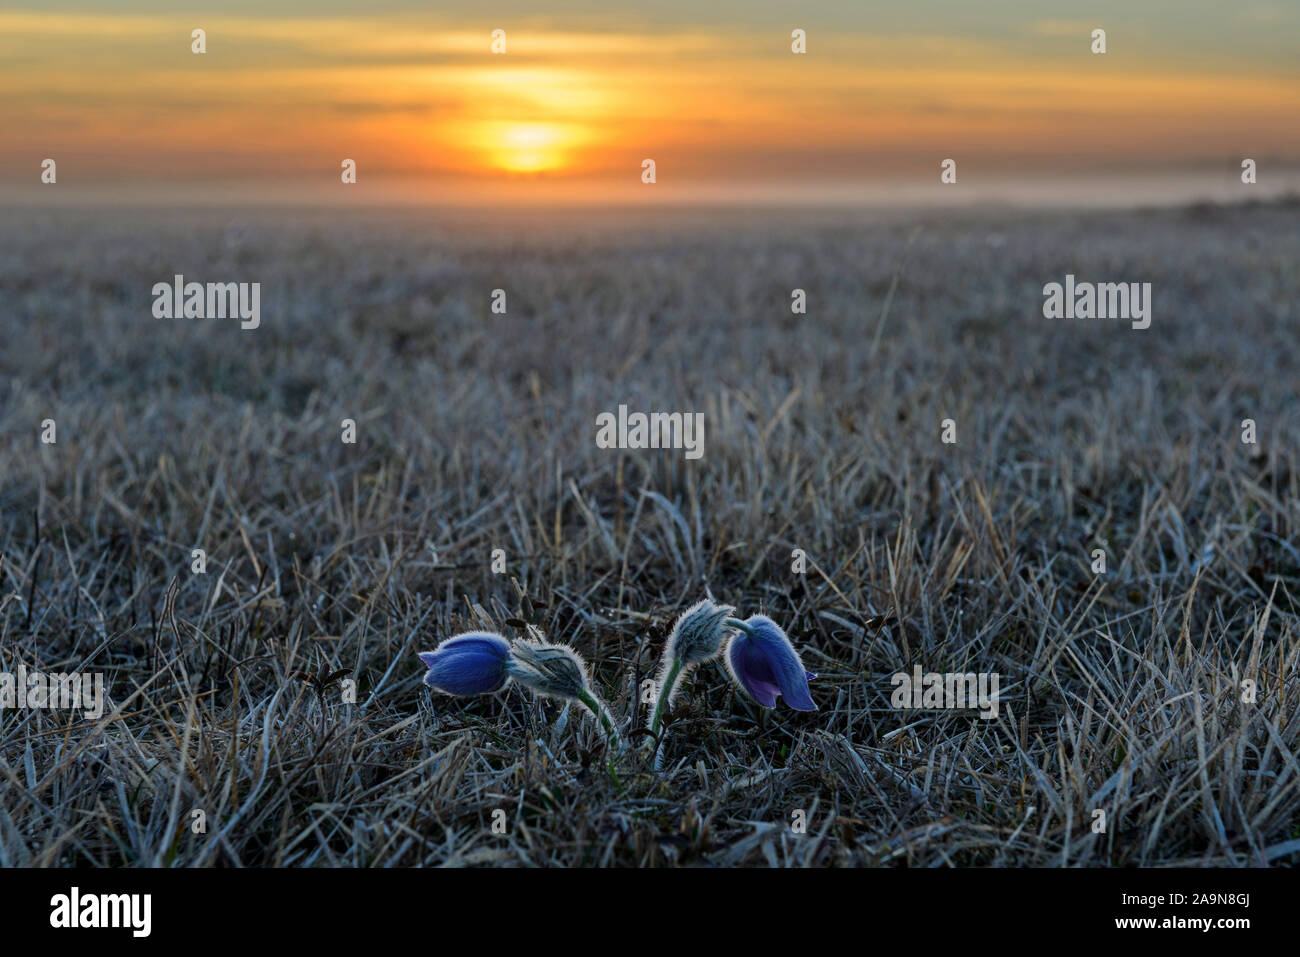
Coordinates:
[554,670]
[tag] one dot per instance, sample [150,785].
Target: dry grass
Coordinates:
[477,432]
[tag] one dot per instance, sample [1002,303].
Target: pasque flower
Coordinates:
[758,655]
[468,664]
[764,663]
[558,672]
[698,633]
[697,636]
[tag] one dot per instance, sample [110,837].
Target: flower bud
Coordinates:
[698,633]
[555,670]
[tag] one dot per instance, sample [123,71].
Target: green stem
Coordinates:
[601,712]
[736,623]
[665,692]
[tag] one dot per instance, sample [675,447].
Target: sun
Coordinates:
[528,147]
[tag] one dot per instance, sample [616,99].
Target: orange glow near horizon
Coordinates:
[121,97]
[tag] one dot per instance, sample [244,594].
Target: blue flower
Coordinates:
[472,663]
[764,663]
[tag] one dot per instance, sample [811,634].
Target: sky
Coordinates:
[708,89]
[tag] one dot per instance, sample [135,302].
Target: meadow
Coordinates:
[1162,691]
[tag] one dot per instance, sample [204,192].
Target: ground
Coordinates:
[1162,692]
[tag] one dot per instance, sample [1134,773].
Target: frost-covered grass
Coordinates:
[476,432]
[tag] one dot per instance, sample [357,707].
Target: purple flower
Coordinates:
[765,664]
[472,663]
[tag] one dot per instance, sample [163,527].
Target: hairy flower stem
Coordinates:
[665,693]
[600,711]
[736,623]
